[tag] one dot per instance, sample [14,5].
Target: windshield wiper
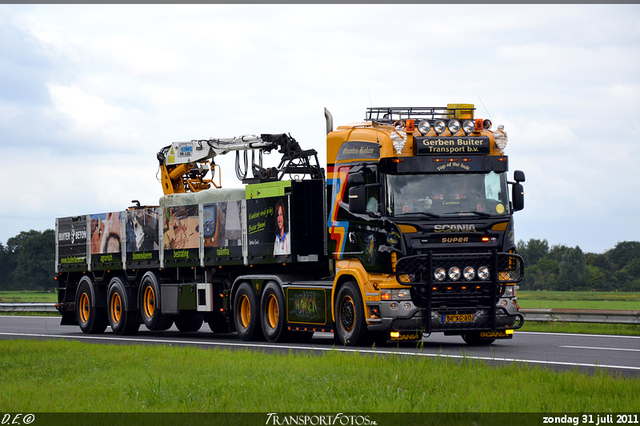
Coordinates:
[421,214]
[481,214]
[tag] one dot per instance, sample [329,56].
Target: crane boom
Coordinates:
[185,165]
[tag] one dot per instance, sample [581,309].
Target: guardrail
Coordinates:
[582,315]
[559,315]
[28,307]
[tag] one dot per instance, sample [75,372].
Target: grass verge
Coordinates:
[27,296]
[62,376]
[579,300]
[582,328]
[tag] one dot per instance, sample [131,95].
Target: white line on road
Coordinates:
[604,349]
[578,334]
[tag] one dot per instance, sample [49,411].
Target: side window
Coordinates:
[366,177]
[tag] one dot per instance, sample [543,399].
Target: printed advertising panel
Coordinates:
[306,306]
[106,238]
[143,231]
[222,229]
[72,241]
[180,233]
[268,227]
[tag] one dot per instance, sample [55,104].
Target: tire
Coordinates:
[218,324]
[351,327]
[92,320]
[246,313]
[473,338]
[122,316]
[189,322]
[150,310]
[273,313]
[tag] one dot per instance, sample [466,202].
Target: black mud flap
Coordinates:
[68,319]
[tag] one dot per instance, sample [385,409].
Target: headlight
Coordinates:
[399,294]
[469,273]
[509,291]
[424,127]
[439,126]
[454,273]
[483,273]
[440,274]
[454,126]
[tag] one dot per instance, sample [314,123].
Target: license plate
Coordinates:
[458,318]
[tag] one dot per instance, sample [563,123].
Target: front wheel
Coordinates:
[473,338]
[351,327]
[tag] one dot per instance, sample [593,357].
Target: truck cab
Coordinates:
[421,218]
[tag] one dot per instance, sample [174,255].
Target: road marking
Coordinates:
[323,349]
[604,349]
[578,334]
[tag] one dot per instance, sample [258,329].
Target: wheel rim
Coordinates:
[149,301]
[116,308]
[245,311]
[347,314]
[272,311]
[85,308]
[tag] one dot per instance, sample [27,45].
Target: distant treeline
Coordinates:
[27,263]
[569,269]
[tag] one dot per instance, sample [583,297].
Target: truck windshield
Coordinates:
[463,194]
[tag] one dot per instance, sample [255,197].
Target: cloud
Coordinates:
[90,93]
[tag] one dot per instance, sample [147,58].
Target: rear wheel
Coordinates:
[150,311]
[246,313]
[351,327]
[189,322]
[272,313]
[122,317]
[219,324]
[92,320]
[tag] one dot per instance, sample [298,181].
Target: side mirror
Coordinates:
[518,176]
[517,196]
[356,179]
[357,199]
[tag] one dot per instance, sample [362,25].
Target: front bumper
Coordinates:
[454,305]
[415,319]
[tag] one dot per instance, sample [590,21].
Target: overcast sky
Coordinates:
[90,93]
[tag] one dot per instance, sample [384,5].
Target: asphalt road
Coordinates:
[586,352]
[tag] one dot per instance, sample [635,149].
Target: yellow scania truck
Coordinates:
[409,231]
